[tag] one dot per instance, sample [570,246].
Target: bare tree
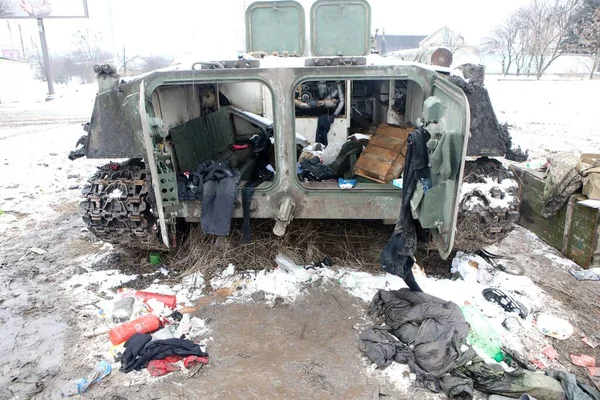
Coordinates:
[455,42]
[89,44]
[547,23]
[584,35]
[34,55]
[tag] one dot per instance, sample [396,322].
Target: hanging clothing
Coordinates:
[219,191]
[323,126]
[397,256]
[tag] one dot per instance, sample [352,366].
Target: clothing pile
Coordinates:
[313,165]
[160,356]
[429,334]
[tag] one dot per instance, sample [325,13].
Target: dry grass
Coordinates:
[354,244]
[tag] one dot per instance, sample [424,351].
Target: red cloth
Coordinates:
[192,361]
[169,364]
[162,367]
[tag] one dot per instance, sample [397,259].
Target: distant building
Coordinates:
[399,42]
[15,80]
[443,37]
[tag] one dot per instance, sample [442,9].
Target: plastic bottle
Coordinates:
[481,335]
[145,324]
[168,300]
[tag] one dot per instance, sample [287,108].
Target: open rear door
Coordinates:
[275,26]
[446,117]
[340,28]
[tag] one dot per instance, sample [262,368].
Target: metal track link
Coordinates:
[118,206]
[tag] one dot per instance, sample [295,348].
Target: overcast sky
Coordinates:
[216,27]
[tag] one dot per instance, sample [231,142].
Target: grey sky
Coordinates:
[217,27]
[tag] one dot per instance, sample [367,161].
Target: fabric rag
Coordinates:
[169,364]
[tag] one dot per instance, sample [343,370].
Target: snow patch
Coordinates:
[490,190]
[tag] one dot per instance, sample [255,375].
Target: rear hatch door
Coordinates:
[275,26]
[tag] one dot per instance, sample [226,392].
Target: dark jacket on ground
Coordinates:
[140,350]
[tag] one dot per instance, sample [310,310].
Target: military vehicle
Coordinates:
[169,121]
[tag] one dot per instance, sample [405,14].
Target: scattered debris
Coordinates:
[592,341]
[73,187]
[37,250]
[550,352]
[505,301]
[79,386]
[145,324]
[554,326]
[585,275]
[258,296]
[583,360]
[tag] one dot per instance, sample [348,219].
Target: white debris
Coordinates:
[37,251]
[115,194]
[472,268]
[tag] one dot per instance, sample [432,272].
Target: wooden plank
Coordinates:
[390,143]
[397,168]
[394,131]
[375,167]
[367,174]
[582,233]
[384,157]
[383,153]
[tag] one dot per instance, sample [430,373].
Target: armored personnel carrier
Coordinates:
[274,115]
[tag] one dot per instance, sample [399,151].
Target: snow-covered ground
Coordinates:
[548,115]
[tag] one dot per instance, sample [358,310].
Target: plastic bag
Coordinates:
[80,385]
[554,327]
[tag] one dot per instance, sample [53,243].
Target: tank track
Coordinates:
[119,203]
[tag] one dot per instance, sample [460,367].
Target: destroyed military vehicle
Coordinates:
[274,115]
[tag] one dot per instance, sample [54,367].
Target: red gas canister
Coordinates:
[168,300]
[146,324]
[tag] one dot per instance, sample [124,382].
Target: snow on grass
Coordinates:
[488,189]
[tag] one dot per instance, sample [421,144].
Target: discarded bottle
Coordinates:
[481,335]
[80,385]
[168,300]
[146,324]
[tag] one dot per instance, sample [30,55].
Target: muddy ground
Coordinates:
[305,349]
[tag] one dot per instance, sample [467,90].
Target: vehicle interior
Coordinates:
[354,132]
[221,122]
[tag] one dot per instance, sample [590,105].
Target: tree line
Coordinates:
[77,63]
[535,35]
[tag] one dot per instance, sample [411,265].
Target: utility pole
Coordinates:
[47,66]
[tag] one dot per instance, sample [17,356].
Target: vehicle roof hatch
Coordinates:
[275,26]
[340,27]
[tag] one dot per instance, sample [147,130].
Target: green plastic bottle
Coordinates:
[481,334]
